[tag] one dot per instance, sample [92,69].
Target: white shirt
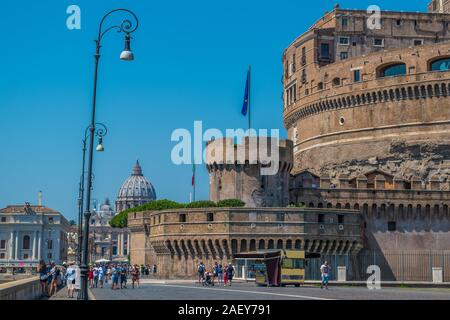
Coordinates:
[324,269]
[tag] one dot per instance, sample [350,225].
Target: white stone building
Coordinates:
[30,233]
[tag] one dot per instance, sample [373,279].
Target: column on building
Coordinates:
[119,244]
[128,243]
[33,248]
[39,256]
[16,246]
[11,246]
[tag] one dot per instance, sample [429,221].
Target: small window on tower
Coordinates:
[210,217]
[392,226]
[182,217]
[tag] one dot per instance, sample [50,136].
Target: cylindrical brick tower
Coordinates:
[238,177]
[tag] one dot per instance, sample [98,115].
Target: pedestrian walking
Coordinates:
[225,277]
[70,279]
[95,272]
[220,274]
[123,277]
[135,276]
[43,277]
[114,277]
[324,270]
[101,275]
[200,272]
[215,272]
[91,277]
[230,273]
[54,274]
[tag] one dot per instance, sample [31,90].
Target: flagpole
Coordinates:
[193,182]
[249,94]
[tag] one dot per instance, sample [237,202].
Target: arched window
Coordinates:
[320,86]
[440,65]
[26,243]
[336,81]
[392,70]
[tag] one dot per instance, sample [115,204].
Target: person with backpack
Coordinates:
[201,272]
[230,273]
[43,277]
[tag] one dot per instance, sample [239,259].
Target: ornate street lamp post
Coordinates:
[100,133]
[127,27]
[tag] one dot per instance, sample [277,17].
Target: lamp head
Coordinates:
[100,147]
[127,54]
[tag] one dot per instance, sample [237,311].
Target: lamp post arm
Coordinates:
[126,26]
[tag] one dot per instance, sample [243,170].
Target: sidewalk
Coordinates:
[62,295]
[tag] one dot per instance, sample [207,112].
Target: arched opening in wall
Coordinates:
[409,211]
[418,210]
[441,63]
[400,210]
[338,205]
[347,206]
[356,206]
[436,211]
[392,69]
[298,244]
[252,245]
[262,245]
[365,209]
[234,245]
[430,90]
[271,244]
[320,205]
[444,89]
[423,92]
[280,244]
[311,205]
[437,90]
[444,211]
[289,244]
[374,211]
[329,205]
[382,211]
[244,246]
[404,94]
[410,93]
[26,243]
[320,86]
[427,211]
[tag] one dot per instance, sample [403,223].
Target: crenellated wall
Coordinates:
[177,240]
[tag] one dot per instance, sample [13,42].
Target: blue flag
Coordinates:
[245,105]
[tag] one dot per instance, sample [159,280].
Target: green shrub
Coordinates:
[160,205]
[120,220]
[202,204]
[231,203]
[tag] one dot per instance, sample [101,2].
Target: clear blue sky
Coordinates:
[191,61]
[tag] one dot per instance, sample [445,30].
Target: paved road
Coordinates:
[244,291]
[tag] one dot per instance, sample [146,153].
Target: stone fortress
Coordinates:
[365,172]
[368,112]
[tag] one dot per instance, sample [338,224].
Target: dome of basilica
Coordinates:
[135,191]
